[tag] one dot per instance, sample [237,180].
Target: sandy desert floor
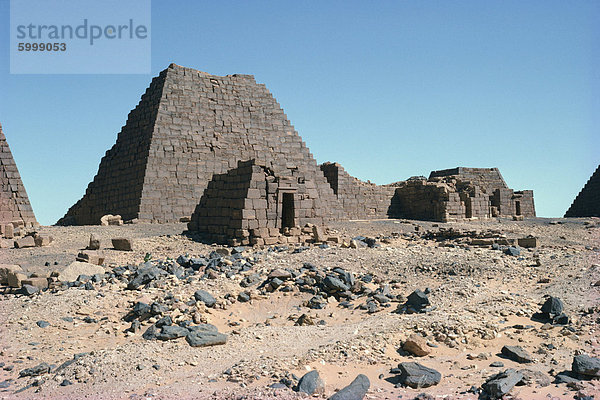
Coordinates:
[481,300]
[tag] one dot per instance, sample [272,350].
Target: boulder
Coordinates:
[110,219]
[40,283]
[311,383]
[5,269]
[517,353]
[38,370]
[553,306]
[205,297]
[92,257]
[586,365]
[24,242]
[15,278]
[76,268]
[122,244]
[94,243]
[417,376]
[355,390]
[500,384]
[416,345]
[205,335]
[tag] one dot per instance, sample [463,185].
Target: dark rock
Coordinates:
[317,303]
[66,382]
[28,290]
[500,384]
[123,244]
[586,365]
[243,297]
[276,283]
[140,311]
[333,284]
[311,383]
[205,297]
[38,370]
[517,353]
[356,390]
[497,364]
[534,378]
[145,275]
[4,384]
[151,333]
[171,332]
[43,324]
[135,327]
[561,319]
[250,280]
[164,321]
[203,338]
[417,376]
[513,251]
[553,306]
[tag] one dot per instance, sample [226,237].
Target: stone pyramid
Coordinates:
[188,126]
[15,203]
[587,202]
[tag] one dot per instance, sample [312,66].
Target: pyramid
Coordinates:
[188,126]
[587,202]
[15,203]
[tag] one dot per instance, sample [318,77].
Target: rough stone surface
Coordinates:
[500,384]
[14,203]
[517,353]
[5,269]
[123,244]
[76,268]
[416,345]
[586,365]
[587,202]
[356,390]
[417,376]
[311,383]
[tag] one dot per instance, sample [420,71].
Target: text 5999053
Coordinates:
[42,46]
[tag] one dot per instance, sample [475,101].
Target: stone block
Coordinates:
[122,244]
[14,279]
[24,242]
[40,283]
[5,269]
[528,242]
[92,257]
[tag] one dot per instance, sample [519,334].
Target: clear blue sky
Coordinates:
[389,89]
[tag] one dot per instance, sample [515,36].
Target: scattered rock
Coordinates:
[500,384]
[77,268]
[38,370]
[416,345]
[417,376]
[5,269]
[517,353]
[205,335]
[94,243]
[42,324]
[586,365]
[356,390]
[122,244]
[311,383]
[205,297]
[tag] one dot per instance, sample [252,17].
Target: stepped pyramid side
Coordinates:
[189,126]
[117,187]
[587,202]
[14,201]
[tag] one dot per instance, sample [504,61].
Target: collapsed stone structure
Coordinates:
[587,202]
[460,193]
[16,209]
[222,149]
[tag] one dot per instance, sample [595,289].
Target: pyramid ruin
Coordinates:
[587,202]
[460,193]
[219,151]
[16,209]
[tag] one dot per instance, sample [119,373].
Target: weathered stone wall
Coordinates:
[456,194]
[587,202]
[488,179]
[189,126]
[14,202]
[358,199]
[246,206]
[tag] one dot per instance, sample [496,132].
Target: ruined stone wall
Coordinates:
[245,206]
[14,203]
[189,126]
[488,179]
[358,199]
[422,200]
[587,202]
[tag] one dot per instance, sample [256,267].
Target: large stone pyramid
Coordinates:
[14,200]
[587,202]
[188,126]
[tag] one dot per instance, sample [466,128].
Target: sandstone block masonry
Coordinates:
[460,193]
[587,202]
[250,204]
[15,208]
[188,126]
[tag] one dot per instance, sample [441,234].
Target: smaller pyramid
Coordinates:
[587,202]
[13,197]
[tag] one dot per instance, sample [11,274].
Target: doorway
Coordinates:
[287,211]
[518,207]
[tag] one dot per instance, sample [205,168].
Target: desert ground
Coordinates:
[282,318]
